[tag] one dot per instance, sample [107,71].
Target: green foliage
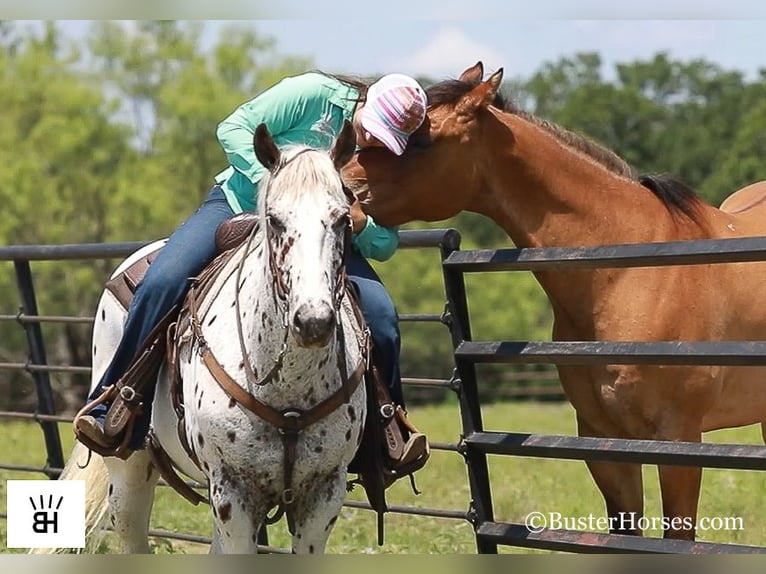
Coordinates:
[661,115]
[114,140]
[742,163]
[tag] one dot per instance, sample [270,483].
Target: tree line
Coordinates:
[112,138]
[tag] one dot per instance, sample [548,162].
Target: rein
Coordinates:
[250,374]
[289,422]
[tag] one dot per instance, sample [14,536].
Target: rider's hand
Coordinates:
[358,217]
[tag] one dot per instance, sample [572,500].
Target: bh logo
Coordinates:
[46,514]
[42,518]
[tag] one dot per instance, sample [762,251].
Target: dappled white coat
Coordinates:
[241,455]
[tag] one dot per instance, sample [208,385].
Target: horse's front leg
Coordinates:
[131,496]
[237,514]
[621,485]
[316,510]
[680,487]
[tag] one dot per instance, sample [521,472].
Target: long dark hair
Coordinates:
[357,82]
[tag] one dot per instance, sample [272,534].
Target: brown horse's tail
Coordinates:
[89,467]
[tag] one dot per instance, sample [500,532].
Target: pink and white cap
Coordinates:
[395,108]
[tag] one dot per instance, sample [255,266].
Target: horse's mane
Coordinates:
[675,195]
[302,170]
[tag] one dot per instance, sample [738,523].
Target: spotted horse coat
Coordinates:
[277,300]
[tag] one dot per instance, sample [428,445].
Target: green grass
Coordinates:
[519,486]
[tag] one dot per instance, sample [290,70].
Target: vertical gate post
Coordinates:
[45,403]
[470,408]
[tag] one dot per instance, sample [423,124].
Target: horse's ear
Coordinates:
[473,75]
[494,82]
[482,95]
[345,146]
[266,150]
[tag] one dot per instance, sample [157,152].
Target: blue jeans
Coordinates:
[188,250]
[382,319]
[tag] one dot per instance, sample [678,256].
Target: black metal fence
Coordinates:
[476,444]
[37,366]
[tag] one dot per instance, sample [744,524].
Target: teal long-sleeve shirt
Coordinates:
[308,109]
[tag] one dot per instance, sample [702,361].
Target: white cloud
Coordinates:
[447,53]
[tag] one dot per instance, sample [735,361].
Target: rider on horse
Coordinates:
[307,109]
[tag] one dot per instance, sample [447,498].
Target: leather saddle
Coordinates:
[229,235]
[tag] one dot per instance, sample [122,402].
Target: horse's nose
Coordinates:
[314,324]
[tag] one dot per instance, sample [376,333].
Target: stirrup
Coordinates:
[88,426]
[118,447]
[106,396]
[417,449]
[125,407]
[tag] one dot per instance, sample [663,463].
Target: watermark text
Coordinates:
[630,521]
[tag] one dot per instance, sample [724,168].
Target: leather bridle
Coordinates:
[292,421]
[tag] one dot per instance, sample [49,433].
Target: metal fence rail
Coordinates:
[38,367]
[477,443]
[698,252]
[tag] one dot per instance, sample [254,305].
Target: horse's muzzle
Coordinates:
[314,324]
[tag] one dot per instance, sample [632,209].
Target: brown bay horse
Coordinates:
[546,187]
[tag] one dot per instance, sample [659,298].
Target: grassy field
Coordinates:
[519,486]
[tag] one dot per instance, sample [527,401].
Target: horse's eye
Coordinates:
[276,223]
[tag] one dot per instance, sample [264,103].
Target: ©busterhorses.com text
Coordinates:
[539,521]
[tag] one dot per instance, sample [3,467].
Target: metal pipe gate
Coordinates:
[475,443]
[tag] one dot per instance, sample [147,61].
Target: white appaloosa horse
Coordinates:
[277,306]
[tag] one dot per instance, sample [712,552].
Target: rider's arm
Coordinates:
[375,241]
[279,107]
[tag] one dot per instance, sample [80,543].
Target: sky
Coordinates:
[443,48]
[439,48]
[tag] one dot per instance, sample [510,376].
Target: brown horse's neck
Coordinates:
[544,192]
